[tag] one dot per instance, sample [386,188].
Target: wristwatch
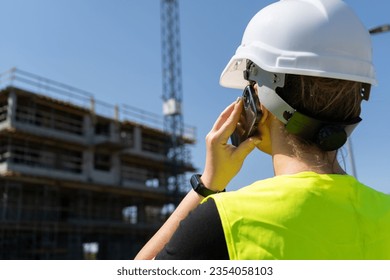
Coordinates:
[199,187]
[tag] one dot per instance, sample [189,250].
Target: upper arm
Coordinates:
[199,236]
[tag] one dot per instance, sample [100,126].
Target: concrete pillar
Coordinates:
[137,138]
[88,131]
[114,132]
[88,128]
[88,164]
[11,109]
[116,168]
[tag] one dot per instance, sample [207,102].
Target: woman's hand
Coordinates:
[224,161]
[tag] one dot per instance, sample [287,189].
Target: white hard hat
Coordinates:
[322,38]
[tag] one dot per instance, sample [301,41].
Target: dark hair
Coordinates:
[323,98]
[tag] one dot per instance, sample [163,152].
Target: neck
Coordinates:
[290,157]
[288,164]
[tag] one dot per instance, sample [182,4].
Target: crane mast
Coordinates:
[172,93]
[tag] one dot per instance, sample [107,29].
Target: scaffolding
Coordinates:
[76,182]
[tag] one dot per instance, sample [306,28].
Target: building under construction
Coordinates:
[76,182]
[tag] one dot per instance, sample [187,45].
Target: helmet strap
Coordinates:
[267,83]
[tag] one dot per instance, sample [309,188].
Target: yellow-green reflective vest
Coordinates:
[306,216]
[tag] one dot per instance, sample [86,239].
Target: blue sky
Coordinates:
[112,48]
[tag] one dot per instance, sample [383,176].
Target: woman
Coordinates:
[309,64]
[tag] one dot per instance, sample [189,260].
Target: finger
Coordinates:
[227,128]
[223,117]
[239,129]
[246,147]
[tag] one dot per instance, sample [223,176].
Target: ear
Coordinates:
[264,131]
[265,114]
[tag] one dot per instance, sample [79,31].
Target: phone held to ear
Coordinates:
[249,119]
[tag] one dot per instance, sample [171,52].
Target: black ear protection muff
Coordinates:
[330,138]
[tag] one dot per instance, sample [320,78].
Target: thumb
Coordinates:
[246,147]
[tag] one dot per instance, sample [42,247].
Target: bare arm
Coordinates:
[223,161]
[162,236]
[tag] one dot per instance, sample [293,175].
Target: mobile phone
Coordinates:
[249,119]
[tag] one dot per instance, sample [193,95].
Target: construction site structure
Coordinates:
[80,178]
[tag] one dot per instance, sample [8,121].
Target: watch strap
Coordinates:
[199,187]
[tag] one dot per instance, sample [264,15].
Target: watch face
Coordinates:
[198,186]
[195,181]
